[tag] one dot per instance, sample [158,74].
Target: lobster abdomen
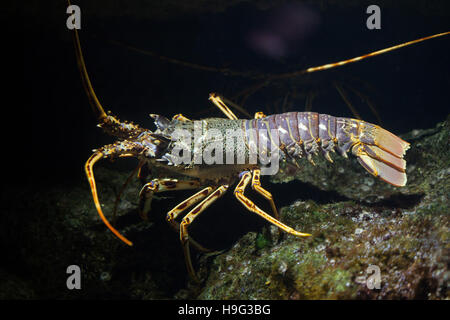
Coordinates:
[303,134]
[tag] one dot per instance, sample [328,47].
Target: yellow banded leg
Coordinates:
[256,185]
[222,106]
[239,193]
[161,185]
[186,204]
[189,218]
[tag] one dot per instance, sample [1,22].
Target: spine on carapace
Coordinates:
[304,134]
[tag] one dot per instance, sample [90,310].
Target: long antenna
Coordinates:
[355,59]
[272,76]
[93,100]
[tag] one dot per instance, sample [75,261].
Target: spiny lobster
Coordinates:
[298,134]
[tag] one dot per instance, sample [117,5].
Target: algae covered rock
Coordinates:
[378,242]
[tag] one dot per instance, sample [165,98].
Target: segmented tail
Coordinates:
[379,151]
[303,134]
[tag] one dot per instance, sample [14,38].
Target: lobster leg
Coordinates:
[181,207]
[189,218]
[222,106]
[161,185]
[239,193]
[341,92]
[157,185]
[256,185]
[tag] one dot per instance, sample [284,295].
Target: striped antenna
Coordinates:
[355,59]
[93,100]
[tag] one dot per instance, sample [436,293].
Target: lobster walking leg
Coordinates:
[256,185]
[222,106]
[189,218]
[181,207]
[239,193]
[186,204]
[161,185]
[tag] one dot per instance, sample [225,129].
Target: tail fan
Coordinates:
[383,157]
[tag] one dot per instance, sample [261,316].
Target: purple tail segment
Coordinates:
[306,133]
